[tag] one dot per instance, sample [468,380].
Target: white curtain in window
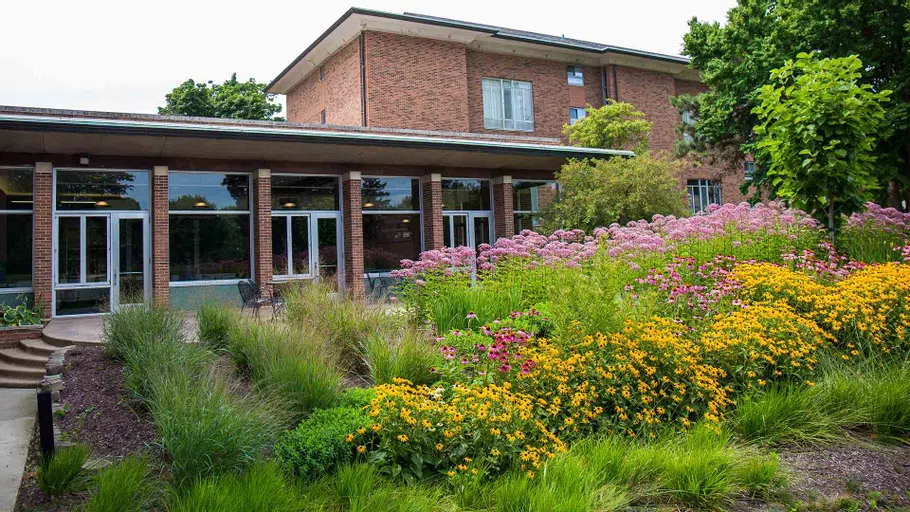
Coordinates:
[507,105]
[492,103]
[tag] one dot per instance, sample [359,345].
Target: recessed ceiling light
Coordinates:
[201,204]
[102,203]
[289,204]
[368,205]
[405,221]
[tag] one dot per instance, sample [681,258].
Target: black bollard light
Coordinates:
[46,423]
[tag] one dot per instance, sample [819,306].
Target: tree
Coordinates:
[817,132]
[598,192]
[232,99]
[761,35]
[616,125]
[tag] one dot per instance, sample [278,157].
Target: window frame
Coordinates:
[575,74]
[581,110]
[749,168]
[516,211]
[705,187]
[489,188]
[248,212]
[31,212]
[419,212]
[502,102]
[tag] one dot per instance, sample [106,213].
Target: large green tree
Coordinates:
[736,60]
[232,99]
[616,125]
[818,132]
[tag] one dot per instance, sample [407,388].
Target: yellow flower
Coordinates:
[348,438]
[361,449]
[438,447]
[403,438]
[451,473]
[361,430]
[531,475]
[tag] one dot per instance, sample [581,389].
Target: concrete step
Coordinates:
[20,357]
[7,382]
[39,347]
[15,371]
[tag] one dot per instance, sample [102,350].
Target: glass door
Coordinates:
[466,229]
[305,245]
[130,259]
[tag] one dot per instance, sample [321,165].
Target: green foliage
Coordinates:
[410,357]
[357,398]
[123,487]
[20,314]
[818,131]
[215,323]
[318,445]
[261,489]
[737,57]
[288,362]
[450,309]
[61,472]
[595,192]
[232,99]
[616,125]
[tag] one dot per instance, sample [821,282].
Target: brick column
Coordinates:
[352,224]
[503,219]
[42,257]
[432,212]
[262,227]
[161,262]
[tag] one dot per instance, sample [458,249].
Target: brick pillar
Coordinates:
[161,262]
[503,219]
[432,212]
[352,224]
[262,227]
[42,258]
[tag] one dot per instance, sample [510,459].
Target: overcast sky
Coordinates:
[126,55]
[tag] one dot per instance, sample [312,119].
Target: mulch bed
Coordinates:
[97,412]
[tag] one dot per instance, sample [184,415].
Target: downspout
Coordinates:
[363,81]
[603,84]
[615,85]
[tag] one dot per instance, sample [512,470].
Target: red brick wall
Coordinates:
[548,85]
[503,207]
[161,263]
[650,92]
[433,237]
[11,336]
[42,265]
[262,228]
[415,83]
[339,94]
[352,224]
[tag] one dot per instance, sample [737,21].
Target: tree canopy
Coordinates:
[736,60]
[232,99]
[616,125]
[817,131]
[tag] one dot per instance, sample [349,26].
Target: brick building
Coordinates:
[405,133]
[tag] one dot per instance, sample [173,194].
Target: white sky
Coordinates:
[126,55]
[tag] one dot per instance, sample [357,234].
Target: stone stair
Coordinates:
[24,365]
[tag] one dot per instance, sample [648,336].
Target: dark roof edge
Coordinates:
[120,127]
[496,32]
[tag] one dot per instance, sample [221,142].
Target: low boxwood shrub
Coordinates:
[321,442]
[356,398]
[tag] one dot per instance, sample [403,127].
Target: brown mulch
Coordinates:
[97,412]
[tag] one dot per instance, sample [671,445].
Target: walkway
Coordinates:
[18,408]
[86,330]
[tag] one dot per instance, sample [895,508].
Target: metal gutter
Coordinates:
[164,129]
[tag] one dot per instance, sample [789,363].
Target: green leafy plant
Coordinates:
[616,125]
[61,472]
[410,357]
[320,443]
[21,314]
[819,130]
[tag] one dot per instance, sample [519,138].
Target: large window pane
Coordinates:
[208,191]
[388,239]
[103,190]
[83,301]
[300,244]
[15,189]
[96,249]
[533,196]
[15,250]
[390,193]
[209,247]
[530,221]
[69,250]
[280,246]
[327,240]
[304,193]
[465,195]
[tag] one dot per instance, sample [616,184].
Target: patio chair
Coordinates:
[251,298]
[277,302]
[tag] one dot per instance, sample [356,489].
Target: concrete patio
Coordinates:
[86,330]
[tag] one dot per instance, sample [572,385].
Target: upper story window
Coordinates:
[749,169]
[576,114]
[688,120]
[575,75]
[507,105]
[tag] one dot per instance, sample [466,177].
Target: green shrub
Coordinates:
[318,444]
[207,427]
[287,362]
[215,323]
[357,398]
[409,357]
[123,487]
[61,472]
[261,489]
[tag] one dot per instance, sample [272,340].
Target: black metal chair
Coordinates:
[251,298]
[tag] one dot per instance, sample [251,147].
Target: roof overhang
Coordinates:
[475,36]
[154,139]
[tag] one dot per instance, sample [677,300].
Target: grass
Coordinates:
[207,427]
[410,357]
[450,311]
[61,472]
[123,487]
[290,362]
[215,323]
[261,489]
